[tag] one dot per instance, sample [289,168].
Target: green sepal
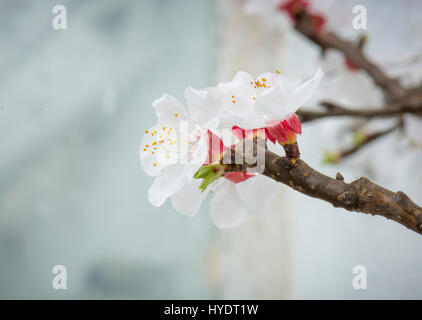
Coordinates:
[209,174]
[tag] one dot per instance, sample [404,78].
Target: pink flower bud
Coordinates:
[293,7]
[284,131]
[215,148]
[238,176]
[241,133]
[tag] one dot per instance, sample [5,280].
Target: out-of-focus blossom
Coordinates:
[293,7]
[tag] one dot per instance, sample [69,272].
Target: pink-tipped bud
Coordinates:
[238,176]
[318,22]
[350,65]
[285,131]
[293,7]
[241,133]
[215,148]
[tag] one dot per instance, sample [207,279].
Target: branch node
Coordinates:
[339,176]
[348,199]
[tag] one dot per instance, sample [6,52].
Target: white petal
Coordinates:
[257,193]
[153,154]
[285,97]
[203,109]
[169,110]
[240,90]
[253,7]
[245,120]
[167,183]
[226,208]
[188,199]
[198,156]
[306,91]
[242,78]
[274,102]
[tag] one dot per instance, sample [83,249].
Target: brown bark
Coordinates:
[361,195]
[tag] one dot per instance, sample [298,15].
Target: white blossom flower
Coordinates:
[236,195]
[251,103]
[226,105]
[255,7]
[172,150]
[244,102]
[232,203]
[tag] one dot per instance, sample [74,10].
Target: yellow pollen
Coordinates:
[155,148]
[176,115]
[278,72]
[146,131]
[145,149]
[168,157]
[147,145]
[232,96]
[254,98]
[154,164]
[164,128]
[154,143]
[263,79]
[234,101]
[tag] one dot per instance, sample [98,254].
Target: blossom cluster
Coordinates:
[294,9]
[185,151]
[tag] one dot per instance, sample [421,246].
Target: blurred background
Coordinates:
[73,107]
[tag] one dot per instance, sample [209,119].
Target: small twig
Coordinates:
[335,110]
[366,140]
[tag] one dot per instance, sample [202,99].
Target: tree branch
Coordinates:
[328,40]
[361,195]
[335,110]
[337,156]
